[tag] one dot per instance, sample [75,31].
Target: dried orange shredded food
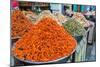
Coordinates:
[46,41]
[19,24]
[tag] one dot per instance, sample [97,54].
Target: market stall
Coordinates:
[42,34]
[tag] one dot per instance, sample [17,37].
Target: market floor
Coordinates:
[91,52]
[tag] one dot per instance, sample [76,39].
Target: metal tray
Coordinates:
[53,61]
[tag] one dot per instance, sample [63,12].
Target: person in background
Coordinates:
[14,4]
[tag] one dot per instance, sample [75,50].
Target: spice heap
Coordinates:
[80,18]
[74,27]
[46,41]
[60,17]
[47,13]
[20,24]
[30,15]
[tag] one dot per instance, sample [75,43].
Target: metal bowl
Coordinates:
[52,61]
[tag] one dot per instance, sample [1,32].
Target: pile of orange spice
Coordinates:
[46,41]
[19,24]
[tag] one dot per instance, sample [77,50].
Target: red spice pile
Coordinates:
[19,24]
[46,41]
